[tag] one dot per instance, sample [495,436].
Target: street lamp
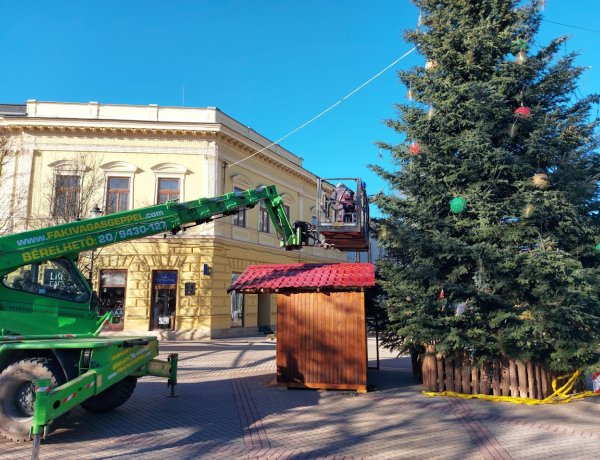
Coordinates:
[94,212]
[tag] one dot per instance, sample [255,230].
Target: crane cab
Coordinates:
[343,214]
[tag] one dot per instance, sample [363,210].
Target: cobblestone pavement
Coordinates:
[229,408]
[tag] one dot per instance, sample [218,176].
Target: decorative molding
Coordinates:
[66,166]
[169,168]
[209,132]
[288,199]
[241,181]
[119,167]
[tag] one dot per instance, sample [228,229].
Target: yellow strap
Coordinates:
[559,396]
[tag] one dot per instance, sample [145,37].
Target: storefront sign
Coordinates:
[164,277]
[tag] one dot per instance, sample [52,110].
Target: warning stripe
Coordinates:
[43,389]
[68,398]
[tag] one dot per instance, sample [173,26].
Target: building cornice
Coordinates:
[58,127]
[149,130]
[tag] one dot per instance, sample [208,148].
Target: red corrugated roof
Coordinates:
[305,277]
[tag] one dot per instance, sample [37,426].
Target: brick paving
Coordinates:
[229,408]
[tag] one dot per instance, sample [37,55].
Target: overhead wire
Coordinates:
[573,27]
[328,109]
[378,74]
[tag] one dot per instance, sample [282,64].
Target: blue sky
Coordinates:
[270,64]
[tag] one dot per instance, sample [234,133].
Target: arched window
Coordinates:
[240,184]
[264,221]
[66,189]
[169,182]
[288,204]
[119,186]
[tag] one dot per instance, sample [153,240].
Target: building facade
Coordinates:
[72,158]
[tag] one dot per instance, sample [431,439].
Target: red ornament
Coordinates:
[415,148]
[442,294]
[524,112]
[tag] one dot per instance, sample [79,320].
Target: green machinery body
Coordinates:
[58,323]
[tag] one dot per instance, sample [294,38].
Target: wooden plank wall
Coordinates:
[321,340]
[507,378]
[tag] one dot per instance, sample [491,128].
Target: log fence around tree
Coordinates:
[502,378]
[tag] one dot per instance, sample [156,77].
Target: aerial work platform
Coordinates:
[343,214]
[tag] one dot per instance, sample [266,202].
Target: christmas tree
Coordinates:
[492,223]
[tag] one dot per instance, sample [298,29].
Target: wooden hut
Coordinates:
[321,327]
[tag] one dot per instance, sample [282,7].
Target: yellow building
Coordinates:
[73,157]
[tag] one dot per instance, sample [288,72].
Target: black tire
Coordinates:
[16,394]
[112,397]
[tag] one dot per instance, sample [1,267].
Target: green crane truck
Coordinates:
[52,356]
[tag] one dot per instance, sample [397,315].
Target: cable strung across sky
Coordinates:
[351,93]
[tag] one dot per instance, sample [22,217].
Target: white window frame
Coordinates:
[288,200]
[117,176]
[261,207]
[64,168]
[120,169]
[169,171]
[264,220]
[241,183]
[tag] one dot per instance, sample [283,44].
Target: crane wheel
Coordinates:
[17,395]
[112,397]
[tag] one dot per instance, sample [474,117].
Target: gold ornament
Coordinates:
[430,113]
[528,211]
[541,181]
[521,57]
[526,315]
[430,64]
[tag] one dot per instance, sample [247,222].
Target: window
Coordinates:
[170,182]
[264,221]
[168,189]
[66,197]
[288,203]
[164,299]
[119,186]
[113,284]
[239,219]
[237,305]
[117,194]
[313,216]
[52,278]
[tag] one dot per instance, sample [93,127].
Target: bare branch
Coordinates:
[74,189]
[8,153]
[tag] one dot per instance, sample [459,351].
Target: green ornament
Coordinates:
[519,45]
[458,204]
[598,249]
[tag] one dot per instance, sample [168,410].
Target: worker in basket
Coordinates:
[342,199]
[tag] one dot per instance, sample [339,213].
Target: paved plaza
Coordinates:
[229,408]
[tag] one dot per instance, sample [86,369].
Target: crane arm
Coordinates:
[74,237]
